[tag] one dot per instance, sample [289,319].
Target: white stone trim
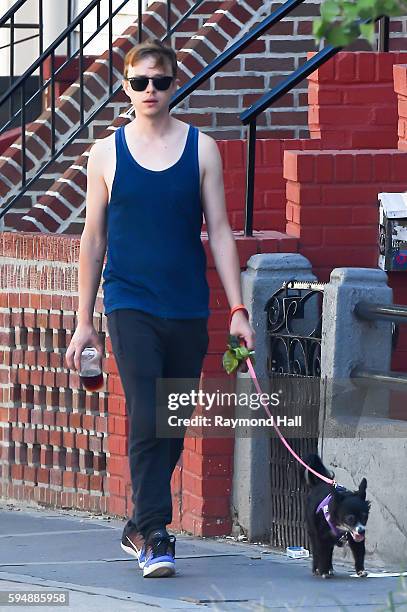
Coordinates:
[196,55]
[207,42]
[40,226]
[11,161]
[58,196]
[72,100]
[74,186]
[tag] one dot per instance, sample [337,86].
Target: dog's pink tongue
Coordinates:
[358,537]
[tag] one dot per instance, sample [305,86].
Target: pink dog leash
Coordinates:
[280,435]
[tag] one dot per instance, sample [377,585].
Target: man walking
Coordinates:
[148,185]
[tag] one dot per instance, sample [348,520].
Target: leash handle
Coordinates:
[280,435]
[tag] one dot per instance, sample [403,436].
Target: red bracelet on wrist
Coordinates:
[235,309]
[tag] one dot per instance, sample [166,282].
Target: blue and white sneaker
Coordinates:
[159,554]
[133,543]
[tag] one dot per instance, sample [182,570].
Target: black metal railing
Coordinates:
[234,50]
[171,29]
[392,380]
[249,116]
[50,53]
[294,326]
[394,313]
[19,86]
[9,21]
[293,340]
[182,93]
[384,34]
[381,312]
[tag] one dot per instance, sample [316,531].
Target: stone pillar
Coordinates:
[357,439]
[264,276]
[348,341]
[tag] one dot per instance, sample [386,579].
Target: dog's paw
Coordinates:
[326,575]
[331,572]
[316,572]
[361,574]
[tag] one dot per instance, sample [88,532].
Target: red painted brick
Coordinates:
[343,168]
[83,481]
[345,67]
[69,480]
[30,474]
[117,445]
[82,441]
[56,477]
[317,216]
[398,167]
[365,215]
[351,236]
[324,72]
[118,465]
[116,486]
[400,79]
[303,193]
[69,439]
[298,166]
[96,482]
[214,446]
[43,475]
[116,506]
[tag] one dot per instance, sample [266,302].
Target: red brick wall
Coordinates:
[332,203]
[270,196]
[64,446]
[352,102]
[332,210]
[332,194]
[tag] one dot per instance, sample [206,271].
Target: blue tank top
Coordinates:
[155,257]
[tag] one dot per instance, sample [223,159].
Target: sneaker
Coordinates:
[133,543]
[159,554]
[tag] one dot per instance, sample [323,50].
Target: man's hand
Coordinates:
[241,327]
[85,335]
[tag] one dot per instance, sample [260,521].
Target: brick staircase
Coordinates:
[67,117]
[55,202]
[62,207]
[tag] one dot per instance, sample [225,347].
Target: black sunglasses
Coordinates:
[140,83]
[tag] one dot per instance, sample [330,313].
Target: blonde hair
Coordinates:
[153,47]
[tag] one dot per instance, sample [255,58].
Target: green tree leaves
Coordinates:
[339,19]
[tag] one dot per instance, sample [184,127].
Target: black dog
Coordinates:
[335,516]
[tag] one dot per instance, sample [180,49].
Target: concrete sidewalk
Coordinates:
[45,550]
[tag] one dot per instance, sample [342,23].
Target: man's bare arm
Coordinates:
[91,257]
[220,234]
[93,239]
[221,240]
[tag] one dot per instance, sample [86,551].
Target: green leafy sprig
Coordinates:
[236,355]
[339,19]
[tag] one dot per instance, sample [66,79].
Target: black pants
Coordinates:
[147,347]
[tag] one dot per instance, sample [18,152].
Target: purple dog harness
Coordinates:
[324,507]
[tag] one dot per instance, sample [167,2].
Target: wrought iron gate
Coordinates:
[294,322]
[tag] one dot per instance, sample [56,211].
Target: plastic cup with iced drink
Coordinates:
[90,372]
